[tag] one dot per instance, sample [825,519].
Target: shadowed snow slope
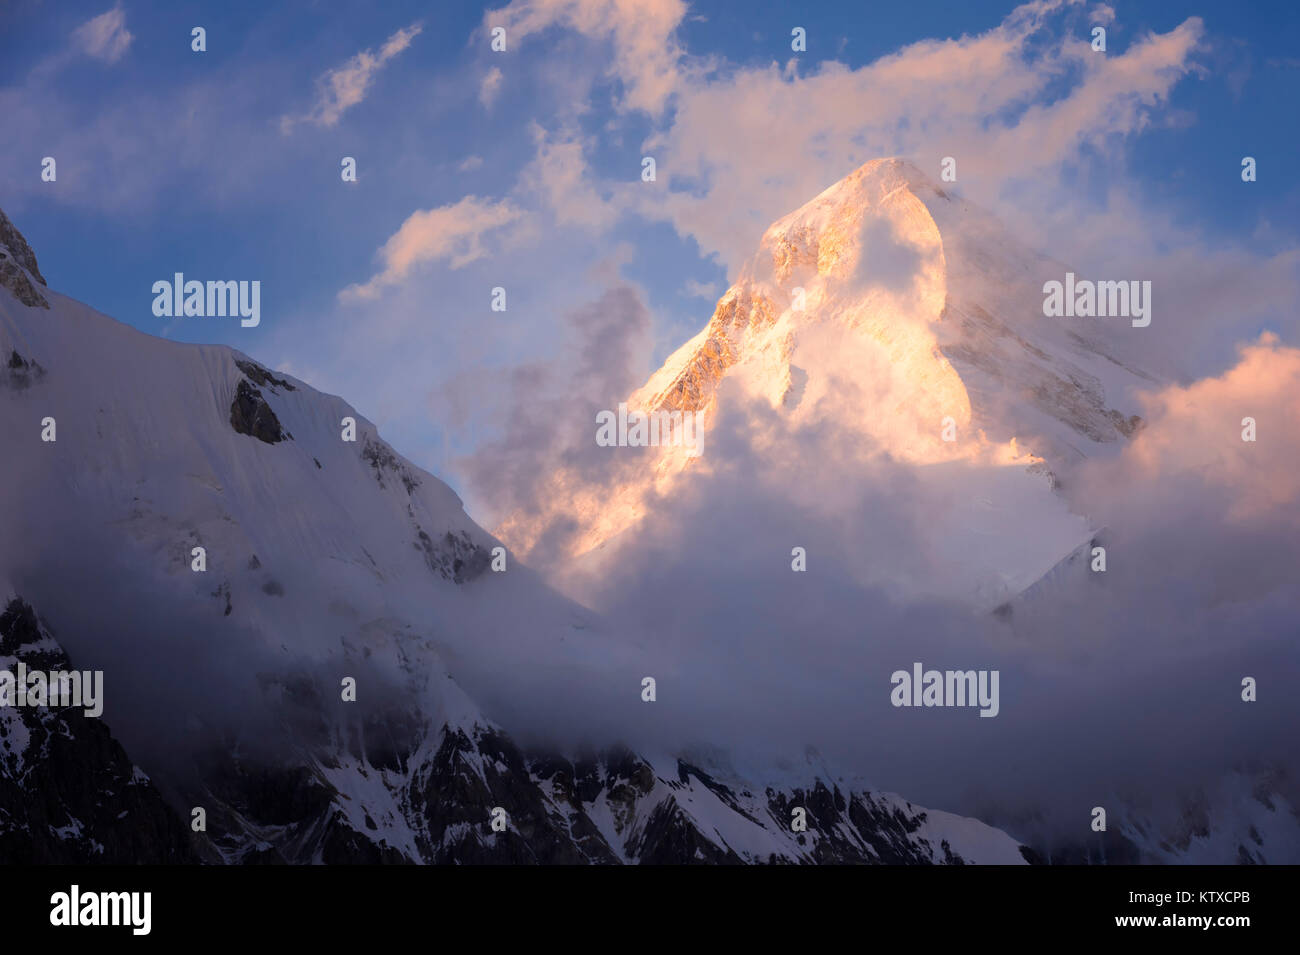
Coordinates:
[196,526]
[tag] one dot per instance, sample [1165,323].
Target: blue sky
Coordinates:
[225,164]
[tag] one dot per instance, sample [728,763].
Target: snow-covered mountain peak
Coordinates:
[888,317]
[868,190]
[204,530]
[935,286]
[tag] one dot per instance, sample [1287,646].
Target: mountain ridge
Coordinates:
[369,570]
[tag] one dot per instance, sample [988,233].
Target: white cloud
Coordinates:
[709,290]
[560,177]
[105,37]
[643,33]
[491,86]
[347,85]
[454,233]
[556,181]
[978,98]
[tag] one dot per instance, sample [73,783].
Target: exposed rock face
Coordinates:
[18,248]
[458,558]
[454,556]
[739,311]
[384,460]
[17,281]
[251,415]
[68,791]
[1068,394]
[260,376]
[18,266]
[432,801]
[19,372]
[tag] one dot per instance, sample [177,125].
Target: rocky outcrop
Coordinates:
[260,376]
[434,799]
[18,270]
[456,557]
[19,372]
[251,415]
[68,791]
[18,248]
[740,311]
[249,412]
[384,460]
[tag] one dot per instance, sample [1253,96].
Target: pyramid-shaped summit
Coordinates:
[940,283]
[880,309]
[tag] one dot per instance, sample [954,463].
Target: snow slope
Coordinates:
[325,560]
[870,317]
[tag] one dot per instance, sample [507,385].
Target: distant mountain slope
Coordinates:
[68,791]
[327,560]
